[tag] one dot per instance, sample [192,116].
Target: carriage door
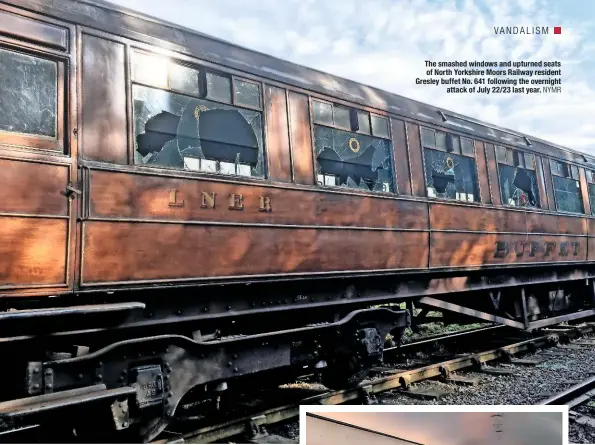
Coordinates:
[38,175]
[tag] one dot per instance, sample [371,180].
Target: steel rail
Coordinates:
[246,424]
[574,395]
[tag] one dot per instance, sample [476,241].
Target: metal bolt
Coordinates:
[48,386]
[229,307]
[229,364]
[80,376]
[235,369]
[99,376]
[36,370]
[170,394]
[125,424]
[36,386]
[179,312]
[235,356]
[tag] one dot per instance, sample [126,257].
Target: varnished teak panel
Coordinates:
[492,172]
[147,251]
[482,171]
[104,126]
[33,251]
[454,217]
[301,141]
[418,184]
[33,188]
[401,154]
[33,30]
[277,132]
[469,249]
[543,196]
[121,195]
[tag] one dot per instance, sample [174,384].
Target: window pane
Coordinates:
[574,171]
[170,128]
[183,78]
[380,126]
[530,161]
[467,147]
[323,112]
[501,154]
[354,160]
[450,176]
[589,174]
[555,167]
[509,156]
[428,139]
[440,140]
[456,144]
[341,117]
[218,88]
[518,186]
[246,93]
[568,195]
[28,94]
[150,69]
[363,119]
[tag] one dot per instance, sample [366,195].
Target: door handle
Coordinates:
[71,191]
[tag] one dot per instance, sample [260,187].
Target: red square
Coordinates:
[557,30]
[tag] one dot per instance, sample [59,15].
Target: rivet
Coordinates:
[36,370]
[229,364]
[229,307]
[235,369]
[99,376]
[48,372]
[125,424]
[179,312]
[48,386]
[170,394]
[235,356]
[80,376]
[36,386]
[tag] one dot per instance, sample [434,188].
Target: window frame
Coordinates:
[350,108]
[477,202]
[40,143]
[357,110]
[535,169]
[578,181]
[202,95]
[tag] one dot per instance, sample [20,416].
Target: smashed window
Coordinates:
[518,179]
[449,163]
[195,133]
[567,190]
[28,94]
[352,159]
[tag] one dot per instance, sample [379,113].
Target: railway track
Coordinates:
[253,426]
[580,399]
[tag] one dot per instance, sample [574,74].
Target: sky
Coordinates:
[463,428]
[385,43]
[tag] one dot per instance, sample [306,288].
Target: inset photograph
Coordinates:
[433,428]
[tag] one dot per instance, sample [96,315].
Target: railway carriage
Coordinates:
[181,218]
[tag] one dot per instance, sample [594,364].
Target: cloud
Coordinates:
[384,43]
